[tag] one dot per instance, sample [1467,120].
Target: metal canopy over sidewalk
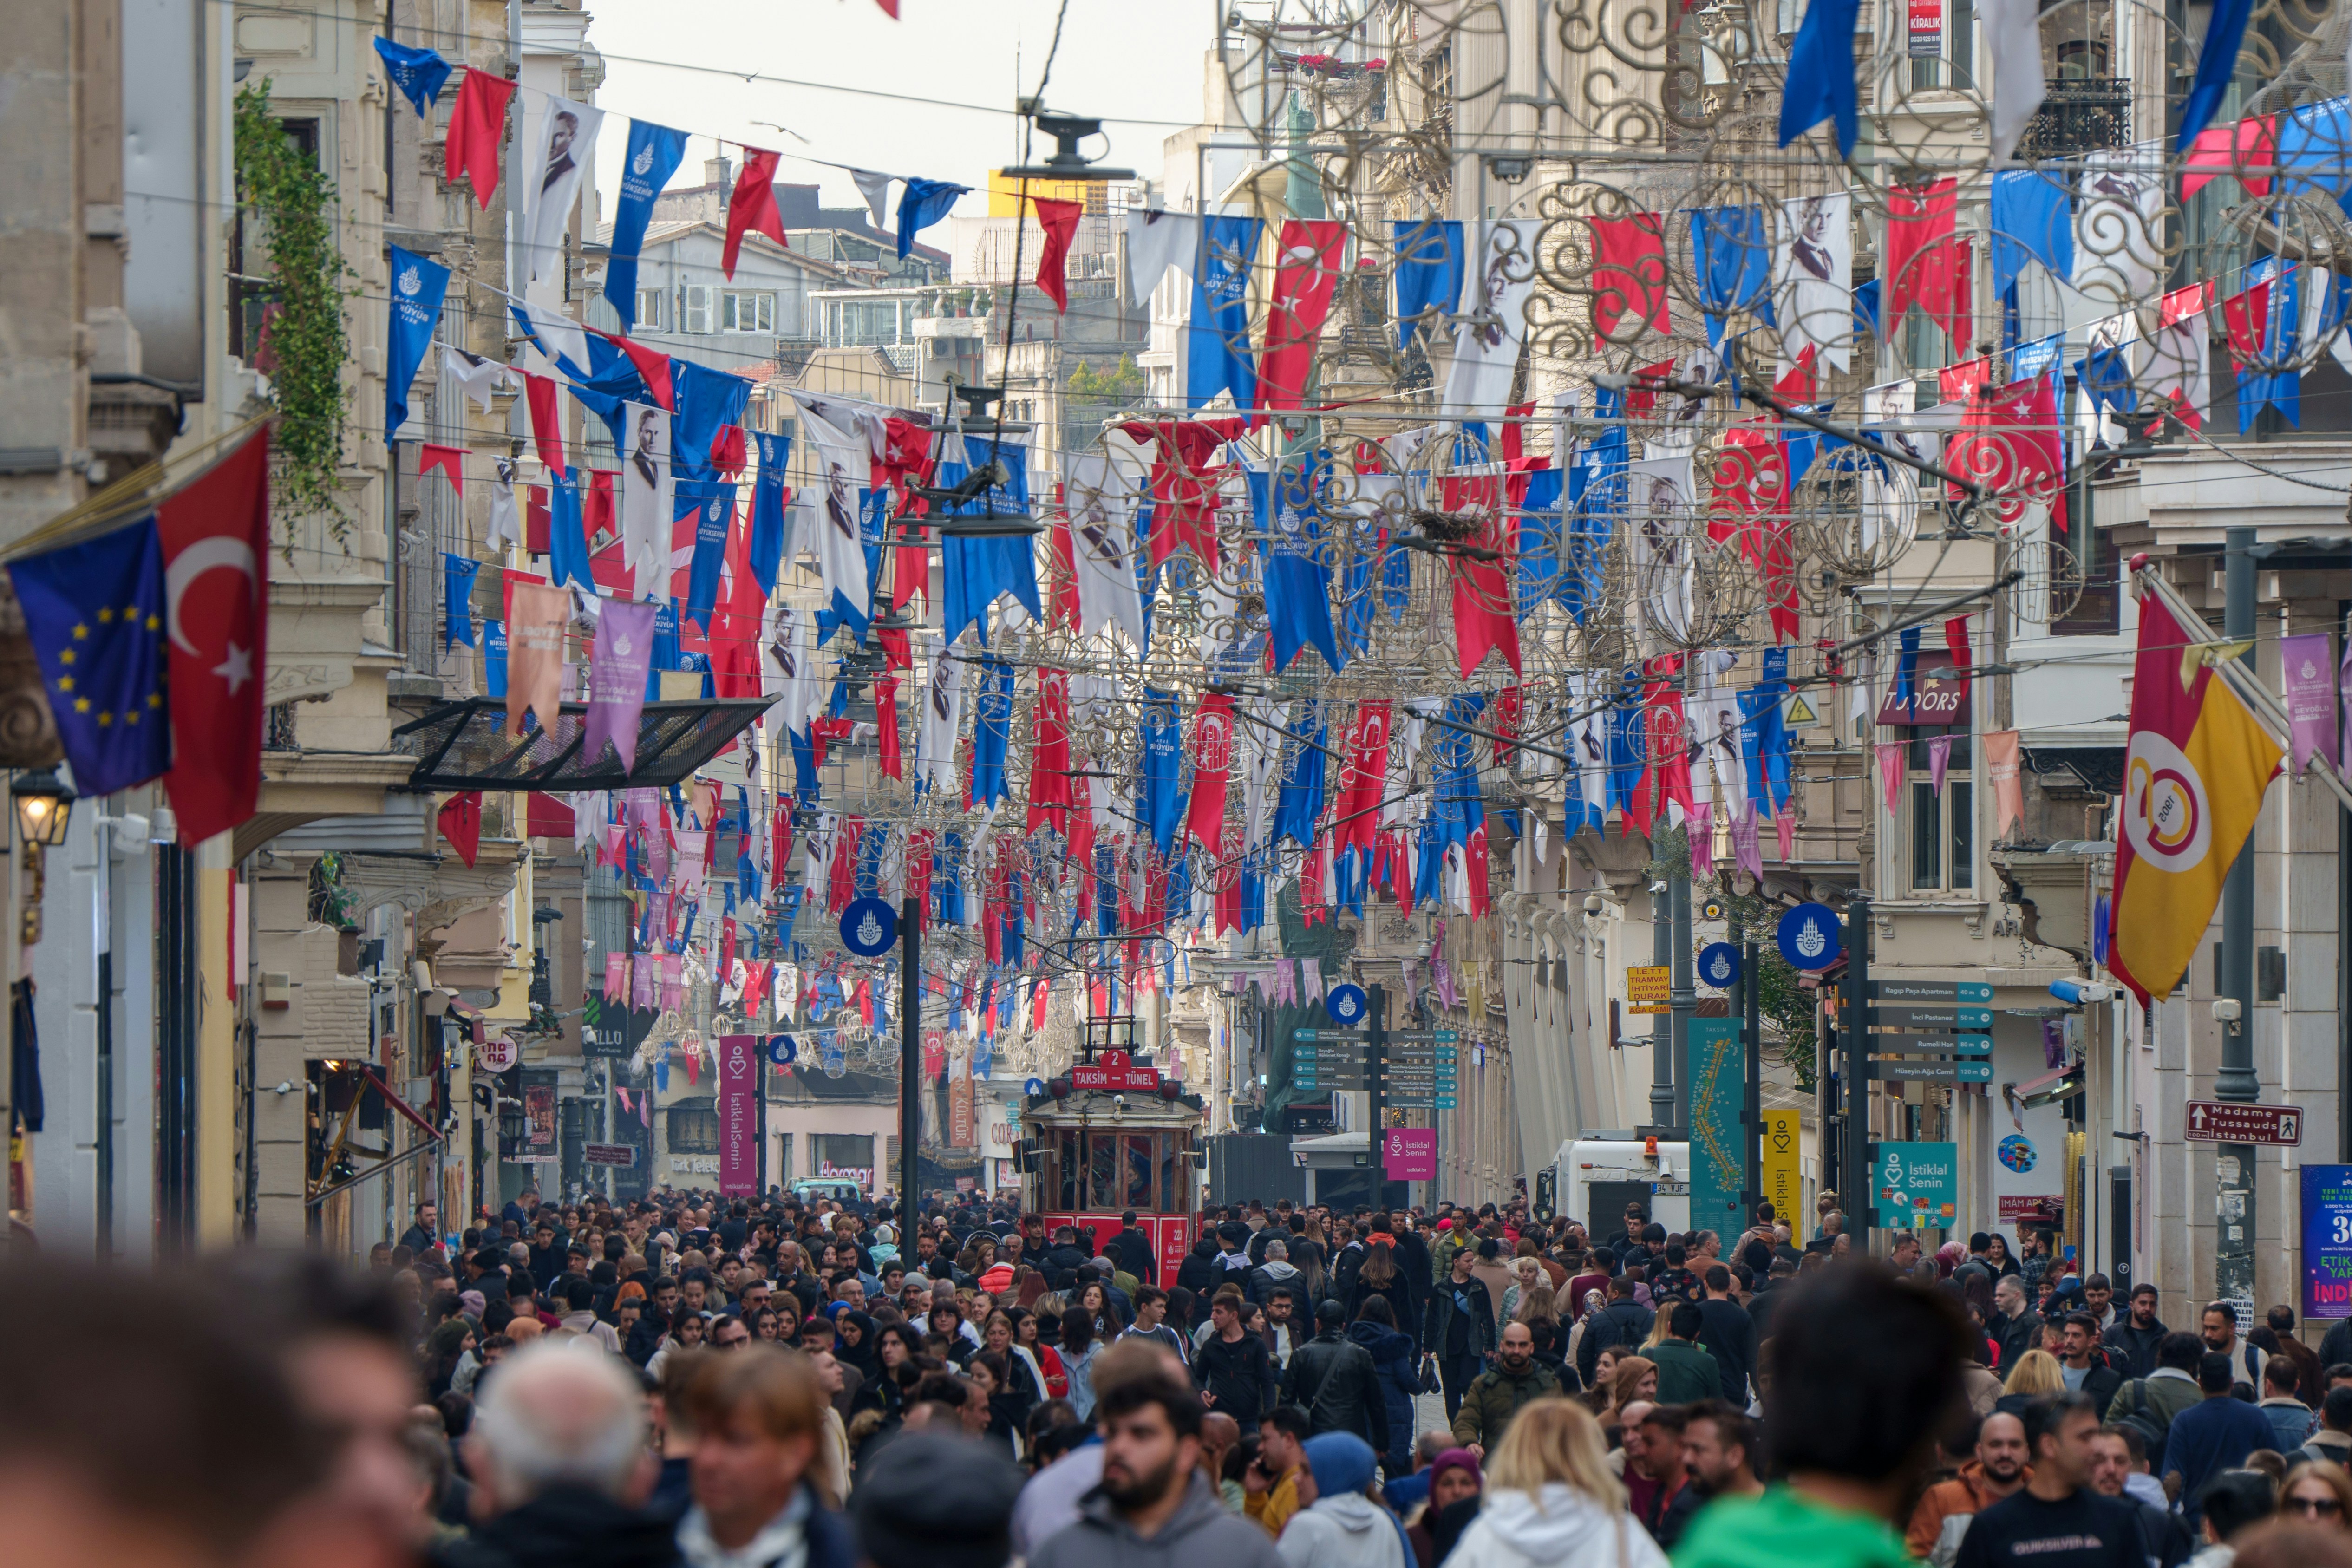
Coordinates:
[464,745]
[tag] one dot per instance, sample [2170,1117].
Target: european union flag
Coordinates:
[95,614]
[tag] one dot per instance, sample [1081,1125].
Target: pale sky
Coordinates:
[1139,57]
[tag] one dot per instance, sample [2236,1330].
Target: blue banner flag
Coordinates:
[992,730]
[655,154]
[1820,83]
[418,73]
[713,504]
[1163,754]
[1297,565]
[567,533]
[708,401]
[1733,255]
[2217,63]
[1299,807]
[1428,271]
[1217,352]
[766,546]
[418,285]
[921,204]
[494,658]
[457,600]
[94,614]
[2033,220]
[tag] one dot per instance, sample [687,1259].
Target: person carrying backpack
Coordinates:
[2147,1404]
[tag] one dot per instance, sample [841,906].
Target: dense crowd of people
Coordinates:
[773,1384]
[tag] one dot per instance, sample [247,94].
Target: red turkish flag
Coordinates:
[1304,279]
[1926,259]
[1628,273]
[2010,443]
[460,819]
[546,420]
[1362,777]
[1049,754]
[1483,621]
[1212,761]
[886,720]
[217,622]
[753,205]
[477,126]
[1060,222]
[449,462]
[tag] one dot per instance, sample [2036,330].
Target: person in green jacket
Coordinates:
[1497,1395]
[1685,1372]
[1863,1373]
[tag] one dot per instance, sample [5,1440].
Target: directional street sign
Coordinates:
[1436,1037]
[2231,1121]
[1934,1045]
[1327,1035]
[1971,1019]
[1931,990]
[1929,1069]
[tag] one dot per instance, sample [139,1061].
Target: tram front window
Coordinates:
[1139,1172]
[1106,1184]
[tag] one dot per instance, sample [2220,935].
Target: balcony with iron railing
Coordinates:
[2080,114]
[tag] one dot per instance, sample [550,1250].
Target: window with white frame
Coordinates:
[651,308]
[744,311]
[1941,836]
[700,306]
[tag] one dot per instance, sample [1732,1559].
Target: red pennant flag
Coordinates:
[1926,260]
[653,366]
[726,949]
[1060,222]
[1304,279]
[753,205]
[1509,702]
[548,816]
[1362,777]
[447,461]
[1049,754]
[2010,442]
[1669,737]
[535,520]
[477,129]
[886,718]
[1628,273]
[727,451]
[216,622]
[1184,482]
[1483,621]
[2247,317]
[460,819]
[1212,761]
[1062,568]
[889,9]
[598,509]
[2248,145]
[546,420]
[1956,639]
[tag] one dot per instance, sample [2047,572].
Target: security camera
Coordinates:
[1592,904]
[1659,885]
[2227,1010]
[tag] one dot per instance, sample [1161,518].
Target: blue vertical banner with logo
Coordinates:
[418,287]
[2328,1241]
[714,518]
[655,154]
[1163,725]
[1217,351]
[1718,1161]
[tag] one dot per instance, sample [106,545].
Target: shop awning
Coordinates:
[464,745]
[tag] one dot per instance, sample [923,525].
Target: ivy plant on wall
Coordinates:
[293,201]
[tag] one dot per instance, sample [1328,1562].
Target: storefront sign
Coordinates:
[2328,1241]
[624,1155]
[1783,1162]
[1939,698]
[498,1054]
[826,1170]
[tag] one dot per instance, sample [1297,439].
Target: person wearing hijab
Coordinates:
[1343,1528]
[1456,1486]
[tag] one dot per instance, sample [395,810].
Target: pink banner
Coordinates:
[2309,662]
[739,1115]
[1410,1154]
[616,977]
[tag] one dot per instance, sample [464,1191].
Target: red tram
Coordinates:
[1110,1135]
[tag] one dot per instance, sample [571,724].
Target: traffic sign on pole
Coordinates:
[2233,1121]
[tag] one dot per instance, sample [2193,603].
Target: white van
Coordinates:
[1597,1176]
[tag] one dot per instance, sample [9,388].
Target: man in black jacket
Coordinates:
[1333,1380]
[1624,1322]
[2132,1339]
[1458,1329]
[1729,1335]
[2016,1327]
[1134,1250]
[1064,1260]
[2086,1371]
[1231,1368]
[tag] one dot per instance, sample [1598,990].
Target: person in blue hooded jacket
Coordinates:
[1397,1366]
[1342,1527]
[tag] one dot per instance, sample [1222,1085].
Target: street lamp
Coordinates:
[44,805]
[44,808]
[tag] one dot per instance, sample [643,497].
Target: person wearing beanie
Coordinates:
[932,1500]
[1343,1528]
[1456,1486]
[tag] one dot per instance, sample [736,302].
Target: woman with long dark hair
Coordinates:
[1379,1276]
[1078,1348]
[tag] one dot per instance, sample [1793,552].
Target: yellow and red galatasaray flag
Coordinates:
[2194,776]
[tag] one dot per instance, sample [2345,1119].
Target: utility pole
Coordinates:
[1747,1005]
[910,1063]
[2233,1163]
[1376,1039]
[1662,1088]
[1853,1075]
[1682,995]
